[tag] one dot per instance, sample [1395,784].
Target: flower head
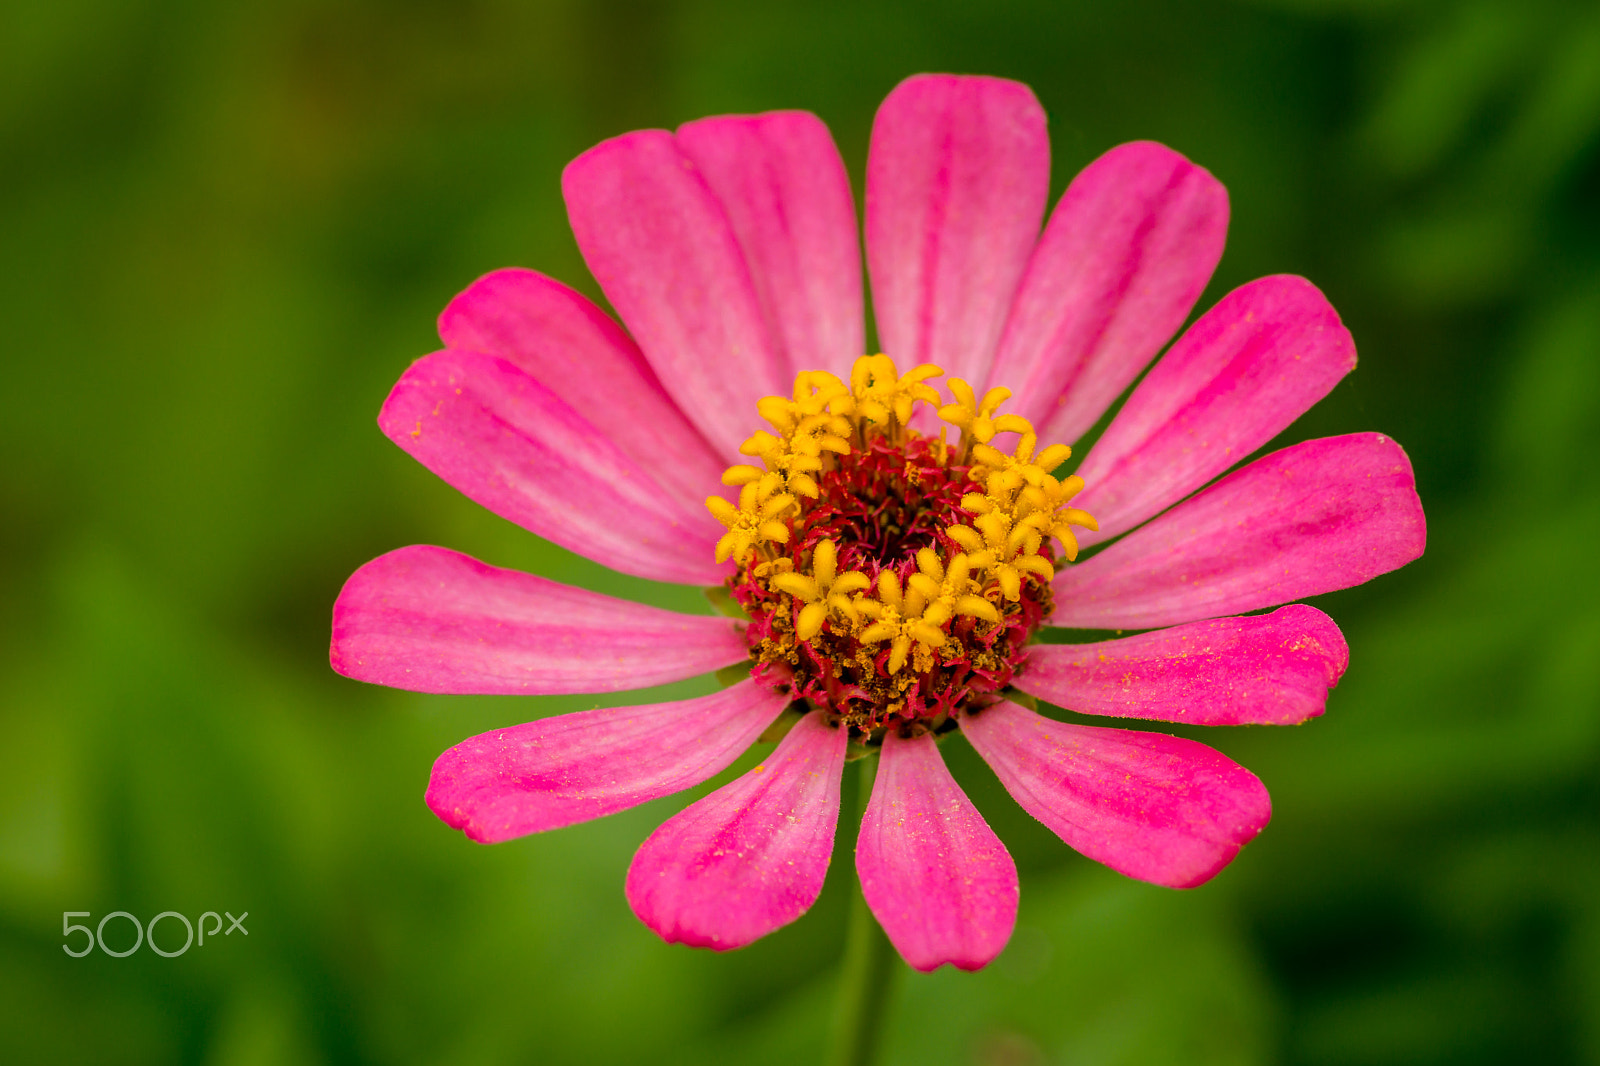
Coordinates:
[895,551]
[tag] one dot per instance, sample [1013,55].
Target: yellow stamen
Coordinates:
[755,521]
[976,420]
[1022,487]
[795,467]
[1042,506]
[882,396]
[951,586]
[902,618]
[1021,466]
[814,390]
[822,590]
[805,430]
[1006,552]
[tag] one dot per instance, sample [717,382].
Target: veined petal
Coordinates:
[1273,669]
[662,249]
[557,771]
[1152,806]
[1239,376]
[1323,515]
[936,877]
[434,620]
[1127,252]
[957,178]
[780,179]
[750,857]
[579,353]
[508,442]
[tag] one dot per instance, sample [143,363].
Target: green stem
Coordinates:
[868,971]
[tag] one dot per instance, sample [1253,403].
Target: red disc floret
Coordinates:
[883,502]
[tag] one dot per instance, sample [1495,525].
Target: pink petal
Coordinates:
[1128,249]
[1148,805]
[939,881]
[1323,515]
[787,196]
[957,178]
[579,353]
[1237,378]
[433,620]
[506,441]
[557,771]
[662,248]
[750,857]
[1273,669]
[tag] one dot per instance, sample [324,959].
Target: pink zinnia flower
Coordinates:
[893,552]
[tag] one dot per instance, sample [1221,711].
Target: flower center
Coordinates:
[890,577]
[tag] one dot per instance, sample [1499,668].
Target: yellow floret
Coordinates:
[755,521]
[1006,552]
[814,390]
[805,430]
[976,420]
[901,618]
[823,590]
[952,586]
[796,468]
[1021,487]
[1042,506]
[881,395]
[1000,472]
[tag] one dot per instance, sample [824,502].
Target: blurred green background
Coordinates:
[226,228]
